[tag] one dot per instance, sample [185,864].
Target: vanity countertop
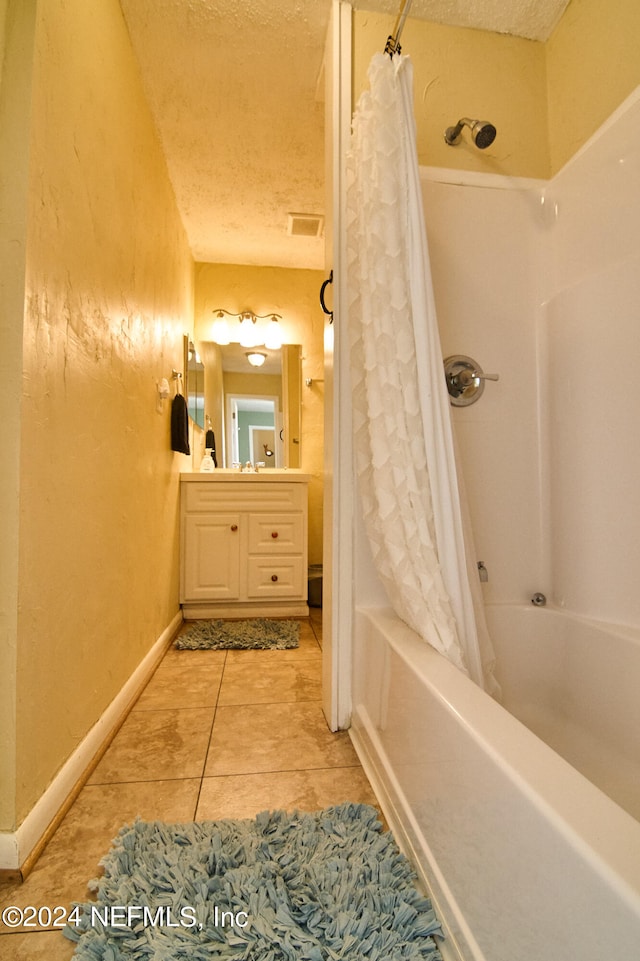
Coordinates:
[265,476]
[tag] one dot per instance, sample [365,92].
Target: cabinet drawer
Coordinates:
[276,533]
[243,496]
[270,577]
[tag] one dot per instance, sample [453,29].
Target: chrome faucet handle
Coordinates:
[465,379]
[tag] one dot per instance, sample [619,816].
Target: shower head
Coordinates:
[482,133]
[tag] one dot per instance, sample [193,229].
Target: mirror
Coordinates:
[253,411]
[194,383]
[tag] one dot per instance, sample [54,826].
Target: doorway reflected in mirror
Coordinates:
[255,425]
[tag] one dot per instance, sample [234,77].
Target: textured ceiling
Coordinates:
[532,19]
[233,89]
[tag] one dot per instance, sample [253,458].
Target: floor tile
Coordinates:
[49,946]
[251,721]
[157,745]
[315,623]
[275,737]
[183,681]
[307,632]
[245,795]
[259,680]
[71,859]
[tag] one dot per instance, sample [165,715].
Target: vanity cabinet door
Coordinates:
[211,557]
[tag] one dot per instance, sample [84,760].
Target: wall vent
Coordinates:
[305,225]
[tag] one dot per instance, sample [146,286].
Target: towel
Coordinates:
[180,425]
[210,444]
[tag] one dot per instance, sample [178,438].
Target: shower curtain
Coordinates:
[403,439]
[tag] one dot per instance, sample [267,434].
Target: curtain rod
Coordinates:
[393,42]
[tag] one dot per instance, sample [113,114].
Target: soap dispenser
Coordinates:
[207,466]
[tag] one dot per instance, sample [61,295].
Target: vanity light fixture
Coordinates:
[256,358]
[250,332]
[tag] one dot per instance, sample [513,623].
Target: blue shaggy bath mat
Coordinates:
[259,633]
[283,887]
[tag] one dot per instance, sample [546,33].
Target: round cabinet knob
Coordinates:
[274,534]
[274,578]
[234,527]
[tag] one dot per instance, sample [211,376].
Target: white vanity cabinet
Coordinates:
[243,544]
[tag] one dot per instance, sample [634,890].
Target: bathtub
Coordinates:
[523,855]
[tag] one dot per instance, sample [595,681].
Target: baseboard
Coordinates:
[197,611]
[19,848]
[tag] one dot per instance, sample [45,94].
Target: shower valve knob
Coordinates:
[465,379]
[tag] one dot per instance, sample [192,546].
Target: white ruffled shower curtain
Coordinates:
[404,444]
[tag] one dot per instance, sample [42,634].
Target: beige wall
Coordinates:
[108,296]
[253,383]
[295,295]
[546,99]
[593,64]
[17,32]
[460,72]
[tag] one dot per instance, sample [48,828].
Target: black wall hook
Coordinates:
[322,303]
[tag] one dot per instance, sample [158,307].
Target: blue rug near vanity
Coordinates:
[258,633]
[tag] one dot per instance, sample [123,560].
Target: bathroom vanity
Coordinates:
[243,543]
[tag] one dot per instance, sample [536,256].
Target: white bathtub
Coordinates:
[524,857]
[576,684]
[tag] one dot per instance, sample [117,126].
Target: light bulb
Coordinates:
[248,331]
[220,332]
[273,337]
[256,358]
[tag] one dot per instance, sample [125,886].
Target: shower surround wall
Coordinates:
[485,246]
[540,283]
[510,273]
[590,353]
[485,238]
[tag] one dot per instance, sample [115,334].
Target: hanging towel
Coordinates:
[180,425]
[210,444]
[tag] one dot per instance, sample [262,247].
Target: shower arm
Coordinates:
[452,133]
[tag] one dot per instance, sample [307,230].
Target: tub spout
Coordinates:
[538,599]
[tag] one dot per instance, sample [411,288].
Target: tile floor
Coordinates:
[214,734]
